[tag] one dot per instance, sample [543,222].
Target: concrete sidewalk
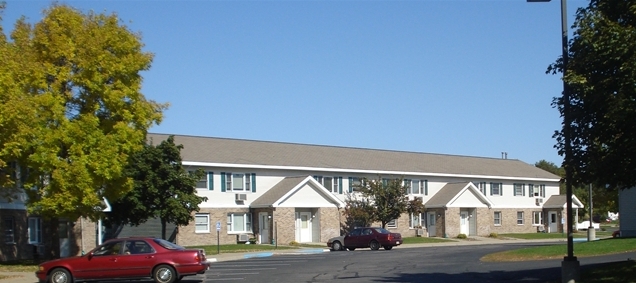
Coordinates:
[29,277]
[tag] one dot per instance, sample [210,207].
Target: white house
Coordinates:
[296,192]
[284,192]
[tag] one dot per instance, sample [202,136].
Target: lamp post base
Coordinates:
[570,270]
[591,234]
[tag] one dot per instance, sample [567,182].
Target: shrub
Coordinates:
[461,236]
[294,243]
[493,235]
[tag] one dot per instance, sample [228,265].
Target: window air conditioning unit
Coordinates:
[243,237]
[536,194]
[241,197]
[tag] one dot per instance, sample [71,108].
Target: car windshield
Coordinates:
[168,245]
[382,231]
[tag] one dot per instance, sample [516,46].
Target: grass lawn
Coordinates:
[538,236]
[583,249]
[624,271]
[18,266]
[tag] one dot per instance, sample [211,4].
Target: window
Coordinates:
[355,184]
[416,187]
[239,222]
[332,184]
[537,218]
[497,218]
[495,189]
[110,248]
[202,223]
[416,219]
[8,226]
[519,190]
[35,230]
[237,182]
[392,224]
[481,186]
[536,190]
[206,181]
[519,217]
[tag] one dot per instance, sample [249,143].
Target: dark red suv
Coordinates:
[127,258]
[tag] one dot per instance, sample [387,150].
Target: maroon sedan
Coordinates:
[371,237]
[127,258]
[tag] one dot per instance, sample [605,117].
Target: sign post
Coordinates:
[218,242]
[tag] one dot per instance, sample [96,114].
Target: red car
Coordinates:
[127,258]
[366,237]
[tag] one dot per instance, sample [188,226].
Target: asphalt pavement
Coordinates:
[29,277]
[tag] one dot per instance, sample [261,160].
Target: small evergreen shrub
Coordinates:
[493,235]
[462,236]
[294,243]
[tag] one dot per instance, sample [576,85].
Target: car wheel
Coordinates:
[374,245]
[388,248]
[164,274]
[60,275]
[351,249]
[336,246]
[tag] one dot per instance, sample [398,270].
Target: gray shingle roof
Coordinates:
[264,153]
[277,192]
[446,194]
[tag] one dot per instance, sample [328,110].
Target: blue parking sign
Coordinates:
[218,225]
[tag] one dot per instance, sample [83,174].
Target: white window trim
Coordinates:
[540,218]
[230,223]
[392,224]
[207,217]
[38,221]
[495,218]
[500,189]
[229,182]
[522,218]
[522,193]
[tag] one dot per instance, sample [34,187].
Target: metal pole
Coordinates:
[218,243]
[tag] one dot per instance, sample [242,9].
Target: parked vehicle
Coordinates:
[366,237]
[127,258]
[586,224]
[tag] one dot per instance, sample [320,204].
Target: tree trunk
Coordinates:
[163,228]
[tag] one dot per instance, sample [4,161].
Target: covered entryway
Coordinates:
[300,210]
[303,227]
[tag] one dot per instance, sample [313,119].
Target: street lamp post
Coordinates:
[570,268]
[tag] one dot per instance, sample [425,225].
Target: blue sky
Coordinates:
[460,77]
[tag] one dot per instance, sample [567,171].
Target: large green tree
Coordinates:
[381,200]
[162,188]
[601,79]
[71,110]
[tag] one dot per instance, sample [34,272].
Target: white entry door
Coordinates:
[553,224]
[464,223]
[304,227]
[263,227]
[430,224]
